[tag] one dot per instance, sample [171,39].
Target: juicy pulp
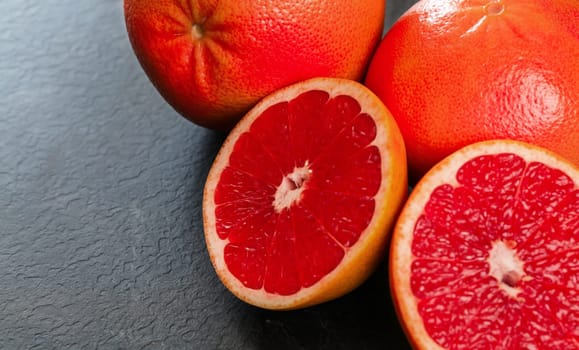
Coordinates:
[521,215]
[283,241]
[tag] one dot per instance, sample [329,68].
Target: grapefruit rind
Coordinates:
[360,259]
[444,172]
[213,60]
[469,71]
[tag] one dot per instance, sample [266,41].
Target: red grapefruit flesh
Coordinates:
[301,197]
[485,254]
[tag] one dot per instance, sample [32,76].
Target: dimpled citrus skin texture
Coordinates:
[456,72]
[212,60]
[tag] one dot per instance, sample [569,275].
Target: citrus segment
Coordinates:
[484,254]
[300,199]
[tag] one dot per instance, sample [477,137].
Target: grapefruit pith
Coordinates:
[484,254]
[213,60]
[300,199]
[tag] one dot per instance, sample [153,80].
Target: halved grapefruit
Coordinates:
[485,252]
[301,197]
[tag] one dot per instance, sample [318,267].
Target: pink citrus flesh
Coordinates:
[485,254]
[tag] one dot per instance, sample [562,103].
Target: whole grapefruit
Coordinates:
[213,60]
[456,72]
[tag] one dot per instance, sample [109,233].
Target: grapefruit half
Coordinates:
[300,200]
[485,252]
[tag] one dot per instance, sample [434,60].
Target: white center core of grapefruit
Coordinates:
[291,188]
[506,267]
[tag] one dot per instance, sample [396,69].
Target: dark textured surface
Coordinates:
[101,240]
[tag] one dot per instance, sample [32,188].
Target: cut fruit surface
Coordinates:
[301,197]
[485,252]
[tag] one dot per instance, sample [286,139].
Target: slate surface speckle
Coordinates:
[101,241]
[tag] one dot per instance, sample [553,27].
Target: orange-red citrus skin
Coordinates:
[461,71]
[212,60]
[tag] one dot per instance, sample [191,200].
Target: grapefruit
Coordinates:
[485,252]
[457,72]
[213,60]
[300,199]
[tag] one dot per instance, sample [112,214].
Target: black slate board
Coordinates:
[101,240]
